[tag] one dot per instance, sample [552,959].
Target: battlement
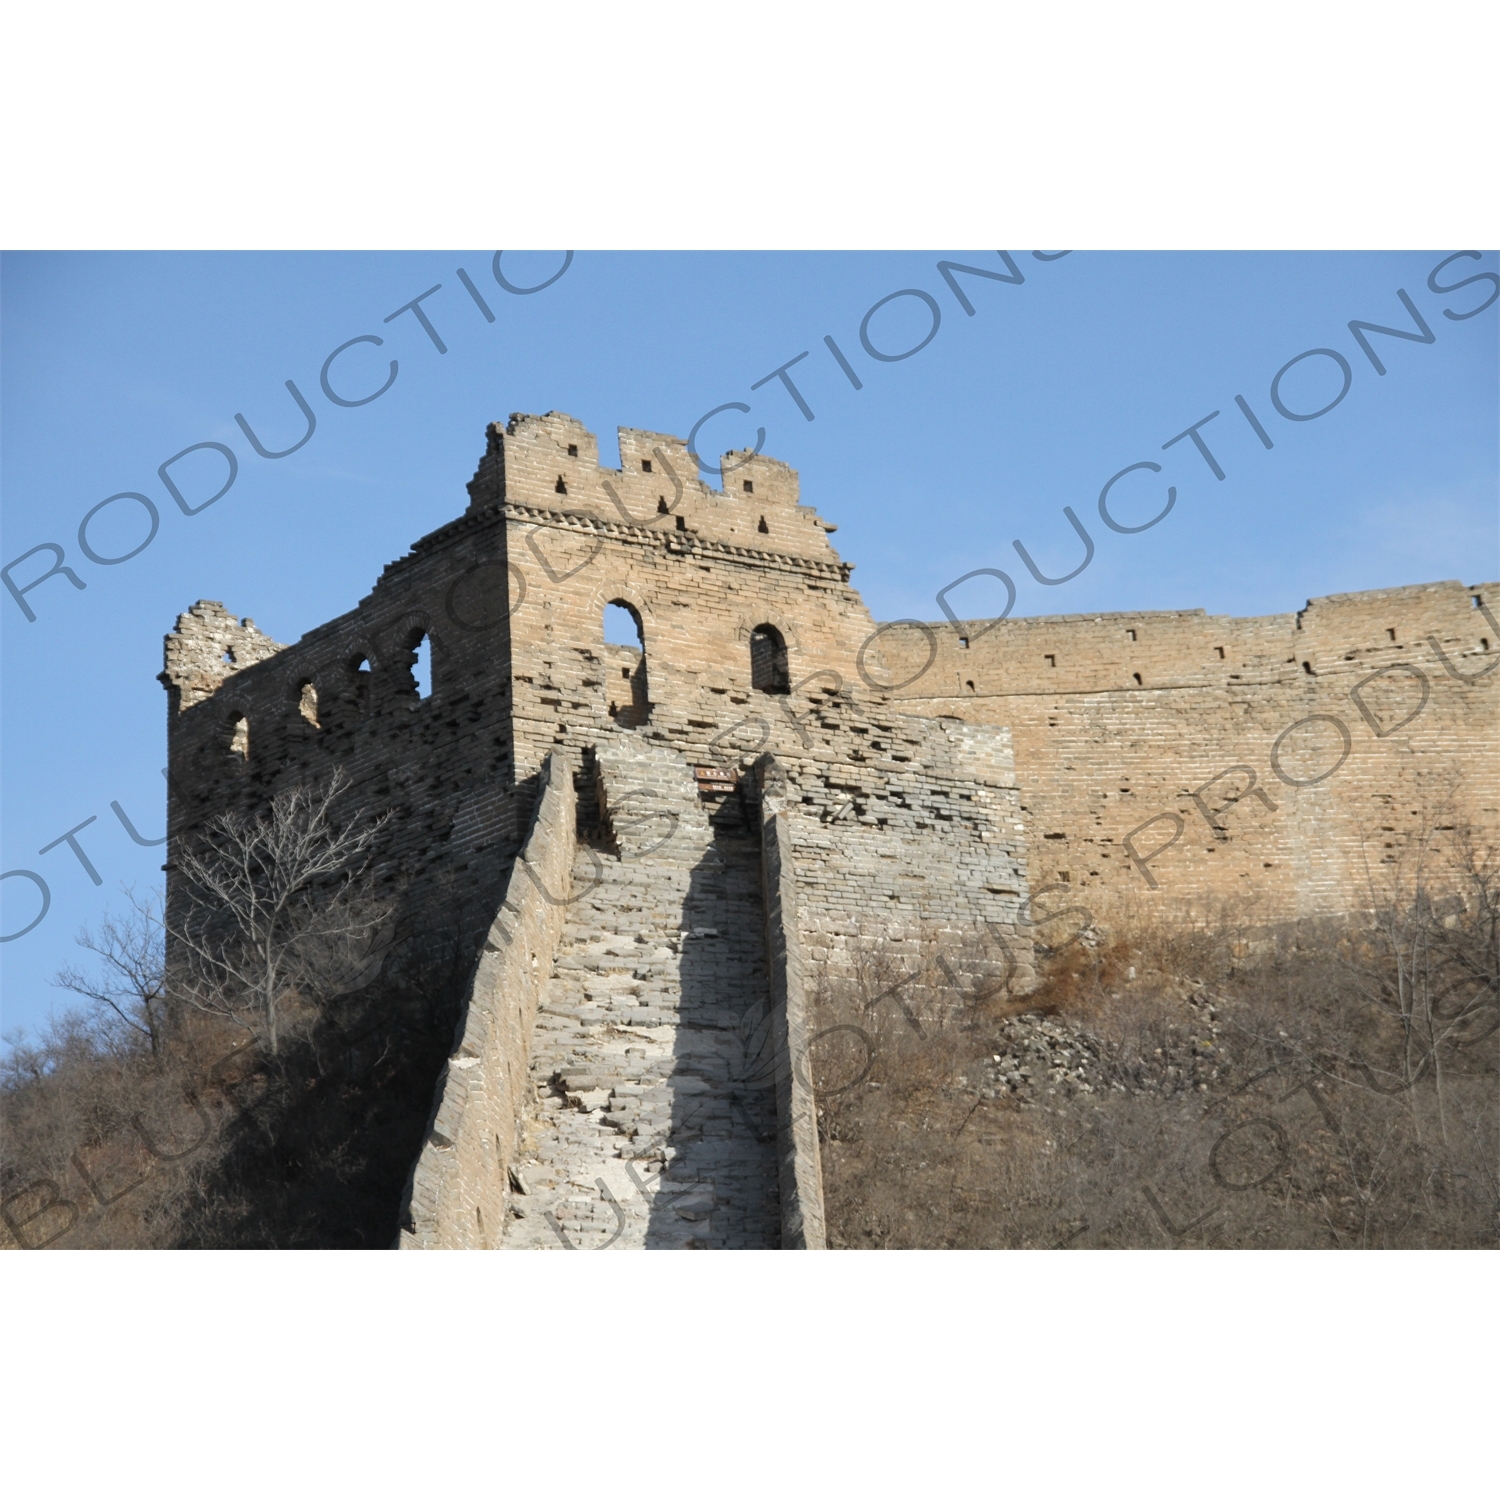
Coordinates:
[1125,651]
[1267,760]
[551,463]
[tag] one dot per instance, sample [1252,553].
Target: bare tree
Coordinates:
[1430,960]
[276,910]
[130,981]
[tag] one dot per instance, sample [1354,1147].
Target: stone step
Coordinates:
[644,1055]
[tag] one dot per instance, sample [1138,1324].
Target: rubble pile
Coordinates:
[1035,1057]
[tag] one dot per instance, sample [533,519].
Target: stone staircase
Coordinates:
[652,1122]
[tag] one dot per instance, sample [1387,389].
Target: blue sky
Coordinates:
[112,363]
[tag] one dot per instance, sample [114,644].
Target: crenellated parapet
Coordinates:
[551,463]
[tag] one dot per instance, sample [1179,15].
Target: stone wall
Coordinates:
[653,1112]
[799,1170]
[701,569]
[459,1187]
[1171,760]
[1200,758]
[897,827]
[511,597]
[904,829]
[344,696]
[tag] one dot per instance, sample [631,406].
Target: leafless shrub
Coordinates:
[1329,1083]
[273,1095]
[129,982]
[105,1141]
[275,912]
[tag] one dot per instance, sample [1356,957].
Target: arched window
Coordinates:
[239,737]
[768,668]
[307,701]
[622,626]
[420,645]
[626,687]
[359,684]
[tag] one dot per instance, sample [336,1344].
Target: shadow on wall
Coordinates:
[713,1178]
[320,1137]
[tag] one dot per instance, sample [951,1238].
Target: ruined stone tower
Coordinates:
[711,821]
[621,870]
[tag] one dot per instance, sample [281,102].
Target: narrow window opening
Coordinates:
[421,667]
[969,685]
[239,737]
[1131,634]
[963,643]
[682,523]
[1050,660]
[1307,667]
[1478,600]
[360,679]
[561,487]
[749,486]
[227,658]
[763,528]
[661,505]
[645,466]
[768,664]
[1137,677]
[1220,650]
[1390,635]
[629,706]
[622,626]
[573,452]
[1484,643]
[307,702]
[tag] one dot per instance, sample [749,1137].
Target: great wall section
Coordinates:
[625,872]
[1261,761]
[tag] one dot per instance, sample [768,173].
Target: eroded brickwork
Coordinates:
[459,1188]
[510,597]
[1017,761]
[751,645]
[1174,716]
[652,1119]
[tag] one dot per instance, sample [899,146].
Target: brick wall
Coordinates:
[457,1195]
[1098,753]
[441,766]
[1032,756]
[799,1170]
[901,829]
[896,827]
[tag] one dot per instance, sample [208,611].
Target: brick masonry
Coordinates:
[1207,723]
[928,810]
[459,1188]
[799,1171]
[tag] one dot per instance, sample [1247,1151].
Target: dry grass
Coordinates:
[1218,1086]
[216,1141]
